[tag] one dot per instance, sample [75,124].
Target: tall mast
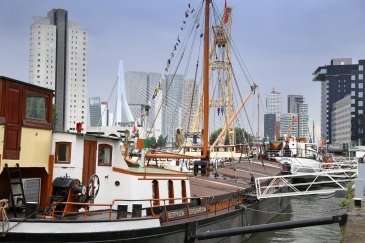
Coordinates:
[206,79]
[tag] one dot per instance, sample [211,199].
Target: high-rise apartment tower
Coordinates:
[58,60]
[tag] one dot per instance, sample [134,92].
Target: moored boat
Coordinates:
[76,187]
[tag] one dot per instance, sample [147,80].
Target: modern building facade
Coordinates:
[165,111]
[139,90]
[338,80]
[274,103]
[289,124]
[293,103]
[269,127]
[58,60]
[341,121]
[172,87]
[95,112]
[190,102]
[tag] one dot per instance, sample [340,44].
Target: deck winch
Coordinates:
[66,190]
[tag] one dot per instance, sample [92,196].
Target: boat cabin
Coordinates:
[43,167]
[26,132]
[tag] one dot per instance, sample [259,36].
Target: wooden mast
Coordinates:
[206,80]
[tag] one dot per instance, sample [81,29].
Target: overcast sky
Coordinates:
[282,42]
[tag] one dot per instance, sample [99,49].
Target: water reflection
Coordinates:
[305,207]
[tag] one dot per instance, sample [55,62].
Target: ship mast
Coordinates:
[206,80]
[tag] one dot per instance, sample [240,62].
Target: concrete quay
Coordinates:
[355,226]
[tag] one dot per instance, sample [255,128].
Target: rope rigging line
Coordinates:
[110,95]
[182,50]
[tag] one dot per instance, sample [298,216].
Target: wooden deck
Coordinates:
[232,177]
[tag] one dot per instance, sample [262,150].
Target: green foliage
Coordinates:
[153,140]
[161,141]
[345,203]
[240,134]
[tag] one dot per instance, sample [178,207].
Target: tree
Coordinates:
[161,141]
[153,142]
[240,134]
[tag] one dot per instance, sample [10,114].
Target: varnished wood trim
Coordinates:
[50,175]
[2,120]
[37,124]
[161,178]
[120,170]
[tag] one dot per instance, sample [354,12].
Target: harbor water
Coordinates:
[305,207]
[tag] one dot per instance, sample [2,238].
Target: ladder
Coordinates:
[16,188]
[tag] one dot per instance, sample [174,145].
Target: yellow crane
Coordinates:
[220,67]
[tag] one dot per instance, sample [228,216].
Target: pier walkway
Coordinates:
[355,226]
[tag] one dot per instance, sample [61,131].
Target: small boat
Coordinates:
[300,156]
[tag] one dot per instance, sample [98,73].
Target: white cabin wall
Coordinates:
[131,186]
[73,169]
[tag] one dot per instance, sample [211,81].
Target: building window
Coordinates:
[353,77]
[360,103]
[361,85]
[353,101]
[36,106]
[353,93]
[105,155]
[360,94]
[63,152]
[361,68]
[361,76]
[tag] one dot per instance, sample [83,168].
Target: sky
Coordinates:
[281,42]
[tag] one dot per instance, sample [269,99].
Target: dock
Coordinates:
[355,226]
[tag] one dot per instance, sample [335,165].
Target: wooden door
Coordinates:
[89,163]
[13,115]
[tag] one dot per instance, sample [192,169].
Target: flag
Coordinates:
[225,13]
[134,128]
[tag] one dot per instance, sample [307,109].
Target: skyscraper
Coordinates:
[139,90]
[165,112]
[58,60]
[95,112]
[339,79]
[303,120]
[190,101]
[274,103]
[289,124]
[293,103]
[269,127]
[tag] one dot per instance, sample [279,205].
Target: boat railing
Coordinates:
[4,221]
[162,208]
[69,208]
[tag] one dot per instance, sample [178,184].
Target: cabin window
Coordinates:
[36,106]
[183,191]
[155,193]
[171,192]
[105,155]
[63,152]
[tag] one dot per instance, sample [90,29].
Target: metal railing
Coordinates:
[164,209]
[334,178]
